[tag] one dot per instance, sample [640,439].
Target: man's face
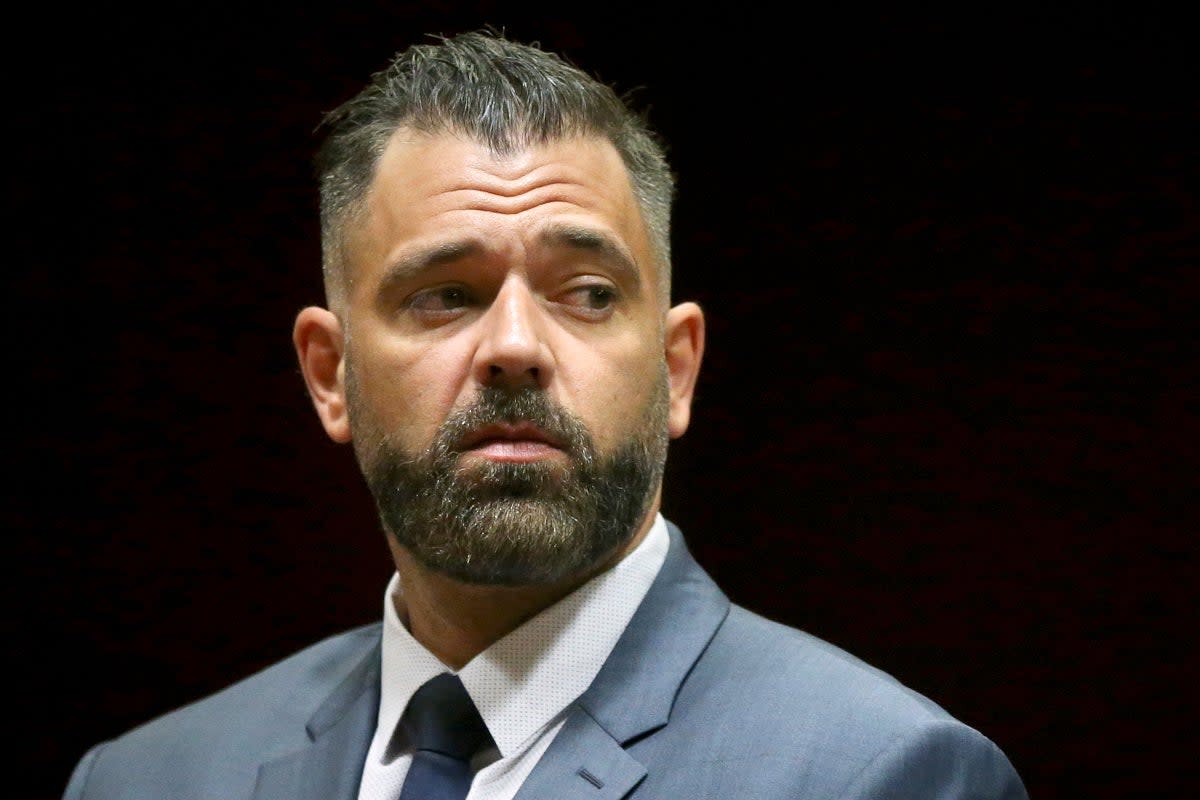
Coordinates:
[504,361]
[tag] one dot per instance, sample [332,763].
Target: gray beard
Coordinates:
[514,524]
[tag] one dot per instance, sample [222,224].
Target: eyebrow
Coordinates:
[572,237]
[589,240]
[414,264]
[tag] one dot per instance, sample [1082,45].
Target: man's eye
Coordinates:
[443,298]
[594,297]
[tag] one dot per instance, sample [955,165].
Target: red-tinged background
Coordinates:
[947,419]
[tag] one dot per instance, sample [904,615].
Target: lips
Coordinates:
[501,436]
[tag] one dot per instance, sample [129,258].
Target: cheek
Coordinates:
[408,391]
[614,392]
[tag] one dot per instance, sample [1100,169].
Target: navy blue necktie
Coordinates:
[445,730]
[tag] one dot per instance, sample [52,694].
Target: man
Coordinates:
[500,349]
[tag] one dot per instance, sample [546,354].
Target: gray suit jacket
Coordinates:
[699,699]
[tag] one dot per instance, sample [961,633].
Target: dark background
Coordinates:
[947,418]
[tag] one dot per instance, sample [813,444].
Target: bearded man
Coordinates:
[499,346]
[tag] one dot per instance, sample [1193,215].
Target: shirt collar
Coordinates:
[524,681]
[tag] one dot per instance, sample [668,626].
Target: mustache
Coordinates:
[527,405]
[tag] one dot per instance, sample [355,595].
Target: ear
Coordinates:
[684,350]
[317,336]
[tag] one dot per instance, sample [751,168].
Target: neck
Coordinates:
[457,621]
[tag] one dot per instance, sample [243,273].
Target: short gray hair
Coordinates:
[501,93]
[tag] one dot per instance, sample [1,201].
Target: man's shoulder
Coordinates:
[813,671]
[776,672]
[231,731]
[815,720]
[289,687]
[790,671]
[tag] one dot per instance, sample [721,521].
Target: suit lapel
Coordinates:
[583,761]
[340,732]
[633,693]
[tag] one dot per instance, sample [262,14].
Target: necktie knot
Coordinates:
[441,718]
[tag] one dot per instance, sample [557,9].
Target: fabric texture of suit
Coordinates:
[699,699]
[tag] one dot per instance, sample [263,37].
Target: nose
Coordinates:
[513,349]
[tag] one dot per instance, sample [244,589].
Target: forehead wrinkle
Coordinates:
[489,182]
[473,198]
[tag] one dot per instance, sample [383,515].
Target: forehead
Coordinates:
[439,190]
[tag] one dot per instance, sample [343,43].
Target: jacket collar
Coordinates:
[340,731]
[635,690]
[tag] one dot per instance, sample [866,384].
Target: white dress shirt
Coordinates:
[522,684]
